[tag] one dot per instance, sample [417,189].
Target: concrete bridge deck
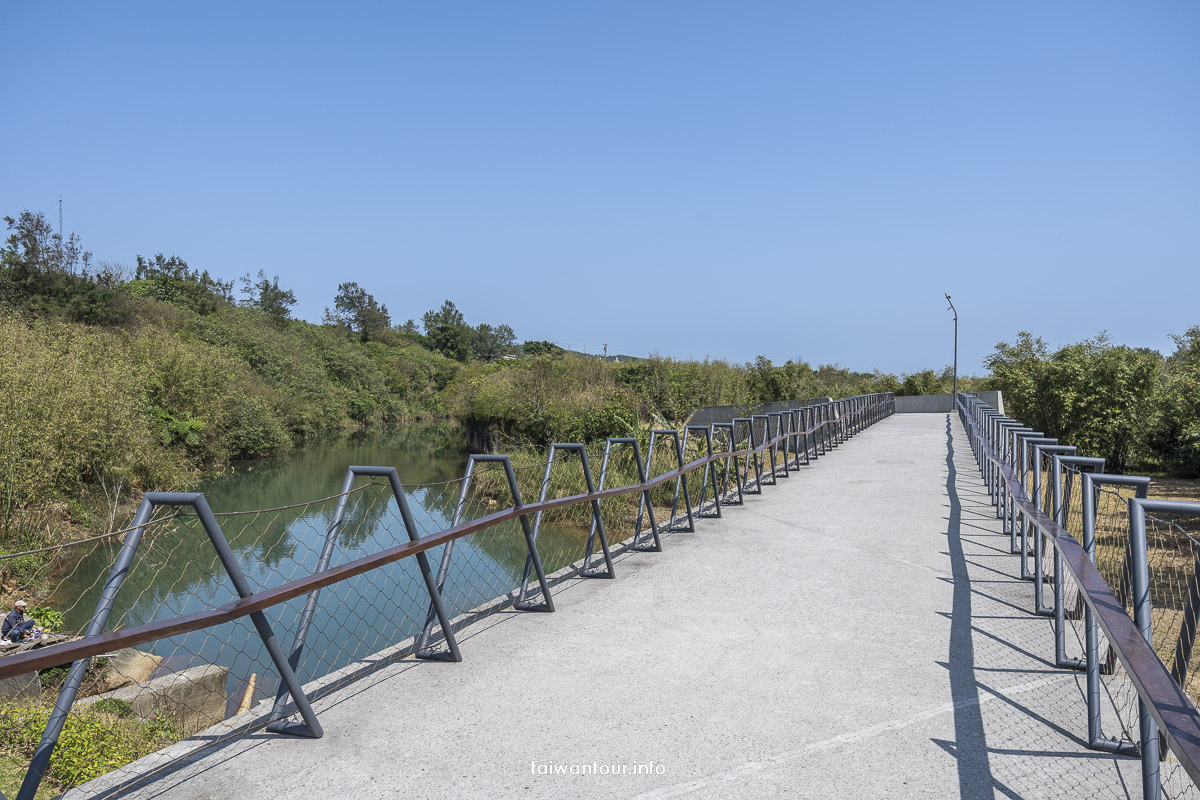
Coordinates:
[857,631]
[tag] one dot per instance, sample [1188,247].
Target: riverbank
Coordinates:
[92,416]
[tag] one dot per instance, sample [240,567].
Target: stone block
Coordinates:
[21,687]
[195,697]
[129,666]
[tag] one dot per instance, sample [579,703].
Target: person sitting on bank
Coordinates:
[16,626]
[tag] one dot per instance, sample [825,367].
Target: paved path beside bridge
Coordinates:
[856,631]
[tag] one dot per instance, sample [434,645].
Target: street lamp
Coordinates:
[955,310]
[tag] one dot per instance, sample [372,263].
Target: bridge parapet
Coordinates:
[394,585]
[943,403]
[1125,576]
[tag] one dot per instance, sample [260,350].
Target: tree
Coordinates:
[490,343]
[266,296]
[1094,394]
[880,381]
[769,383]
[356,309]
[1017,369]
[46,274]
[540,347]
[448,332]
[34,243]
[168,279]
[1175,437]
[924,382]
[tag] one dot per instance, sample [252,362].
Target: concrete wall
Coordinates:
[942,403]
[195,697]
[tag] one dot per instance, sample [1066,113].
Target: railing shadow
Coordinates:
[1031,721]
[975,779]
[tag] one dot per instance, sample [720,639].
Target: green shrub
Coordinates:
[51,677]
[111,705]
[94,741]
[48,618]
[1095,394]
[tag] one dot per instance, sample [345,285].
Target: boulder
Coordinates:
[195,698]
[129,666]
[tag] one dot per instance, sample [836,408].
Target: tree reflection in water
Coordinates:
[176,570]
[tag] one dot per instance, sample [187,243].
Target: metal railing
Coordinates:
[796,437]
[1125,572]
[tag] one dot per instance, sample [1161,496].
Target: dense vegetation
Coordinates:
[1135,408]
[567,397]
[94,741]
[121,380]
[113,386]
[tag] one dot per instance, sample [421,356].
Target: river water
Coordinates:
[176,571]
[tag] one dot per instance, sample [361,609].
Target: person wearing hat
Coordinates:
[16,627]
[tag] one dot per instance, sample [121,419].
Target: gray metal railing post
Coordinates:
[645,494]
[120,570]
[1140,574]
[770,448]
[680,481]
[751,457]
[70,687]
[1008,515]
[709,470]
[1060,517]
[1038,536]
[426,636]
[436,610]
[781,434]
[259,619]
[1001,492]
[1023,464]
[522,601]
[809,438]
[597,524]
[827,410]
[730,462]
[597,527]
[794,439]
[1096,738]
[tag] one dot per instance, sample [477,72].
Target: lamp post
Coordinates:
[955,310]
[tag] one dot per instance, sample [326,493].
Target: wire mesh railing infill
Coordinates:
[196,625]
[1119,573]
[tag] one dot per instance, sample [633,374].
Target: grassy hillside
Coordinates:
[89,414]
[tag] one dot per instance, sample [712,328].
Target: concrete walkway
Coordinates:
[856,631]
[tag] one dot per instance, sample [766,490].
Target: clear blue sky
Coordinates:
[721,179]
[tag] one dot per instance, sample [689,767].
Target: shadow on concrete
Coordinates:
[970,745]
[1036,749]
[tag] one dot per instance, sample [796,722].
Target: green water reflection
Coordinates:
[176,570]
